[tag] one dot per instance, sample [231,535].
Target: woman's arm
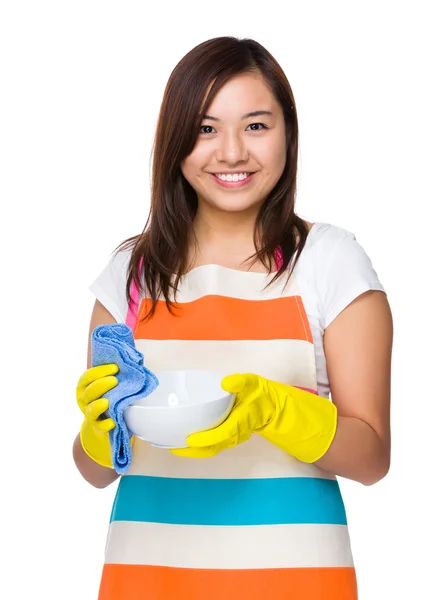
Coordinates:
[358,348]
[94,473]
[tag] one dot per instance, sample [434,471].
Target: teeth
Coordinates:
[232,177]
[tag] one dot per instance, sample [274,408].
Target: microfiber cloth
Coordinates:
[115,344]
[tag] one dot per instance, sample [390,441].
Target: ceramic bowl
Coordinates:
[184,402]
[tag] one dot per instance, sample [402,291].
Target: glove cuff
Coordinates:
[96,445]
[304,424]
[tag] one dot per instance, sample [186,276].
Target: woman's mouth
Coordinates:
[232,180]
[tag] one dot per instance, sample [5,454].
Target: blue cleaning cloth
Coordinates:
[115,344]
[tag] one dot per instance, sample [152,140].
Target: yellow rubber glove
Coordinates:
[299,422]
[92,385]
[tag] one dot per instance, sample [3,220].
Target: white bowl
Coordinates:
[184,402]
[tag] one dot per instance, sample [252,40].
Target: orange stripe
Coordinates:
[226,318]
[141,582]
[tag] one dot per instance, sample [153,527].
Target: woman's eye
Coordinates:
[257,126]
[207,129]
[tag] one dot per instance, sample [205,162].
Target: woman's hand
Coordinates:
[253,408]
[301,423]
[92,386]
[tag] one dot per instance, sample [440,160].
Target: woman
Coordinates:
[229,279]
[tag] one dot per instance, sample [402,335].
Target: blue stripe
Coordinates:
[228,501]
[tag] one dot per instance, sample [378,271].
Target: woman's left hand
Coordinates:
[253,409]
[299,422]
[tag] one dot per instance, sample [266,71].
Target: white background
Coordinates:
[81,84]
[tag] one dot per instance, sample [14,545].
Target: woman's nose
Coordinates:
[232,149]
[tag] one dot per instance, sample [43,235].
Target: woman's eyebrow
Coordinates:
[258,113]
[255,113]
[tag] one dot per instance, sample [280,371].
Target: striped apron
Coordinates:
[251,522]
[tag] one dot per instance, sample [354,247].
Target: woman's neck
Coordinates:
[222,227]
[224,238]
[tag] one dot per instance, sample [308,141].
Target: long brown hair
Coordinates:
[162,247]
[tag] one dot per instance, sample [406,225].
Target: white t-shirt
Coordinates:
[332,270]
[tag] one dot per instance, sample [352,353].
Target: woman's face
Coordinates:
[240,153]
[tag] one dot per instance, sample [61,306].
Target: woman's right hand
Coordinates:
[91,388]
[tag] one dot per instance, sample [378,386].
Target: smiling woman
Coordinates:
[228,110]
[226,277]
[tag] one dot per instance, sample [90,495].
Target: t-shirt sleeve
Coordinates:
[348,272]
[110,286]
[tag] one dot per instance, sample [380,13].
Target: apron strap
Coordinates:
[133,306]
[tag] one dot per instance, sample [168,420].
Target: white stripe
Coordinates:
[221,281]
[255,459]
[287,361]
[252,547]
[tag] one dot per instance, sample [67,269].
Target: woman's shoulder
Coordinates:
[336,267]
[109,287]
[333,248]
[326,234]
[323,240]
[120,258]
